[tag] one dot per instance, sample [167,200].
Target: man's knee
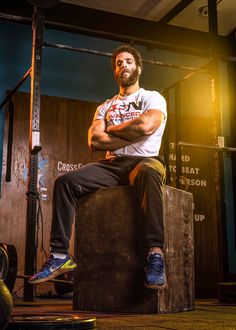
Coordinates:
[148,168]
[64,180]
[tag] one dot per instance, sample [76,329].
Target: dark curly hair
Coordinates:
[128,49]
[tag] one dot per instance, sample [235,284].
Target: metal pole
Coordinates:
[219,168]
[34,148]
[9,140]
[166,141]
[178,135]
[9,95]
[202,146]
[107,54]
[118,37]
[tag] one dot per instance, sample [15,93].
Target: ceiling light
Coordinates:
[203,11]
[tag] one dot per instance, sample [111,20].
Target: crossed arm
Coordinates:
[118,136]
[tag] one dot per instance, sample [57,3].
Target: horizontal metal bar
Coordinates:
[77,49]
[188,76]
[52,280]
[195,145]
[227,58]
[92,22]
[16,18]
[176,66]
[8,97]
[65,27]
[96,52]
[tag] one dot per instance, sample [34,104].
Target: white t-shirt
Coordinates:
[119,109]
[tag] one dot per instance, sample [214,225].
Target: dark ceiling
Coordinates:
[117,26]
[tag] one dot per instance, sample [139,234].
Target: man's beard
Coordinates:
[125,81]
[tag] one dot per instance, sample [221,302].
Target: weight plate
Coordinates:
[4,263]
[12,261]
[51,322]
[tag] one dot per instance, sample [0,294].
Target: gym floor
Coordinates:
[207,314]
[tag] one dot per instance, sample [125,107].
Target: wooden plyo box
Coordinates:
[110,253]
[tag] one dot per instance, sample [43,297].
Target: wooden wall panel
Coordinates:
[64,124]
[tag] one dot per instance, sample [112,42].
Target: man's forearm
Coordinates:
[101,141]
[129,133]
[135,129]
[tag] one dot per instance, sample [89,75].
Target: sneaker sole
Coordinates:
[52,276]
[155,287]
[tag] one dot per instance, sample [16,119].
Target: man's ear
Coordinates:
[139,70]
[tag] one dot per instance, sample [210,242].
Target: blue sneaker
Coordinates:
[155,277]
[52,268]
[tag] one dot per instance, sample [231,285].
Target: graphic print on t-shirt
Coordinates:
[124,111]
[120,109]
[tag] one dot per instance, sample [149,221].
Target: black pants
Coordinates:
[145,174]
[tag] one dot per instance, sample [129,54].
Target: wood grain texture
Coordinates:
[110,252]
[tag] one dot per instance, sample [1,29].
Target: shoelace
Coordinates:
[48,262]
[155,264]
